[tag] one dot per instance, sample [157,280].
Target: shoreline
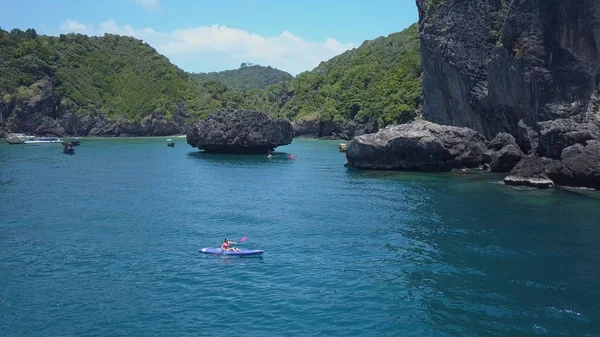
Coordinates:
[179,136]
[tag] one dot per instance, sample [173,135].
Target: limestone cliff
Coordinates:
[530,68]
[490,63]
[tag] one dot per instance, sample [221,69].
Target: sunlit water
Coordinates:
[105,243]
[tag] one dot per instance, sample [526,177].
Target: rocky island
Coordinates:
[240,131]
[523,69]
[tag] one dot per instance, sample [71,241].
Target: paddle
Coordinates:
[241,240]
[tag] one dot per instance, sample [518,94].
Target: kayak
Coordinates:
[214,250]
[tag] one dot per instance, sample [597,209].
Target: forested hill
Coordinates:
[379,80]
[248,76]
[118,85]
[113,77]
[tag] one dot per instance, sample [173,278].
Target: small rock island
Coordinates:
[240,131]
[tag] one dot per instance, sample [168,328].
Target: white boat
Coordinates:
[40,140]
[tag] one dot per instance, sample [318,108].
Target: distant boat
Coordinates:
[41,140]
[170,143]
[343,147]
[73,142]
[15,140]
[68,150]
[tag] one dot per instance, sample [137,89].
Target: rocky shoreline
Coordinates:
[522,69]
[426,146]
[42,115]
[334,130]
[566,153]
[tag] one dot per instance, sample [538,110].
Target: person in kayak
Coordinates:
[227,246]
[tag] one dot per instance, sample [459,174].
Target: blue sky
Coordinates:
[217,35]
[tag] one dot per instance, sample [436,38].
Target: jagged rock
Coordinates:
[488,64]
[313,128]
[103,127]
[530,172]
[358,127]
[85,125]
[27,113]
[421,145]
[527,138]
[239,131]
[39,111]
[528,68]
[579,166]
[158,125]
[559,134]
[334,130]
[49,126]
[503,153]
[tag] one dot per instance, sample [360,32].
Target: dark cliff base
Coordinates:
[42,115]
[334,130]
[527,68]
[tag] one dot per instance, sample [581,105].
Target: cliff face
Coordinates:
[240,131]
[39,111]
[489,64]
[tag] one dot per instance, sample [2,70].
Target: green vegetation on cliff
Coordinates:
[380,79]
[122,77]
[248,76]
[117,76]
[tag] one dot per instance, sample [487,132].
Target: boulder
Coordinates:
[527,138]
[239,131]
[558,134]
[579,166]
[503,153]
[421,145]
[313,128]
[530,172]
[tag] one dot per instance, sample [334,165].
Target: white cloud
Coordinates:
[220,44]
[149,4]
[72,26]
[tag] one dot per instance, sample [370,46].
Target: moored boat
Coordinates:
[72,142]
[41,140]
[343,147]
[170,143]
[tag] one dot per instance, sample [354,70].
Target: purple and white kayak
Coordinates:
[214,250]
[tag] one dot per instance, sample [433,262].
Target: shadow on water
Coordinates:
[239,159]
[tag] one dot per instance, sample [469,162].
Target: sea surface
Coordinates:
[105,243]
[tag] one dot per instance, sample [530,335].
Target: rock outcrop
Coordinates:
[489,64]
[39,111]
[503,153]
[421,146]
[530,172]
[526,68]
[239,131]
[313,128]
[328,129]
[568,154]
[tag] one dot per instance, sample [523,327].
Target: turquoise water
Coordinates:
[105,243]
